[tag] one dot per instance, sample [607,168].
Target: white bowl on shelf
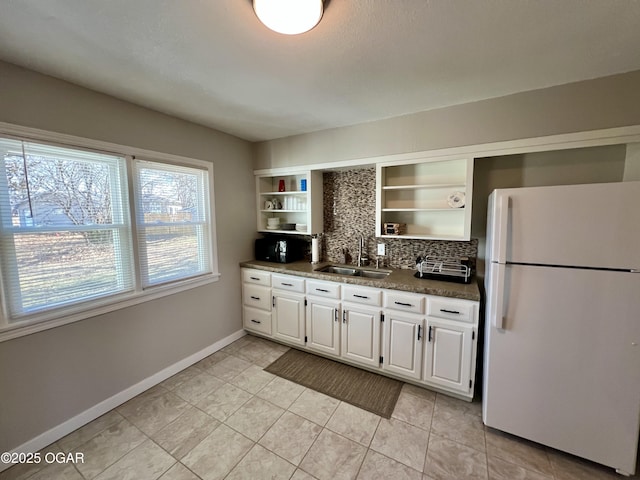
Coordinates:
[456,200]
[301,227]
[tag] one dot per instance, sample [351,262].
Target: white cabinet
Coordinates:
[256,301]
[288,283]
[288,317]
[256,277]
[428,340]
[324,316]
[323,289]
[404,302]
[361,319]
[299,211]
[363,295]
[450,356]
[448,359]
[256,320]
[361,334]
[449,309]
[256,296]
[403,334]
[323,325]
[288,308]
[431,198]
[403,344]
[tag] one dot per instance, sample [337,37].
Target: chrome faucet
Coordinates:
[362,253]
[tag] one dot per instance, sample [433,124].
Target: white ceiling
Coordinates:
[212,62]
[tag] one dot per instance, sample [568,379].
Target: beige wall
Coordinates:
[590,105]
[51,376]
[632,163]
[563,167]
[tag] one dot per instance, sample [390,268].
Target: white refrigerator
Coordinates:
[562,327]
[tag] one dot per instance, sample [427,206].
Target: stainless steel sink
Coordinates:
[355,272]
[339,270]
[374,273]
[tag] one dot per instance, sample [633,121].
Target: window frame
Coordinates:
[139,224]
[57,316]
[120,228]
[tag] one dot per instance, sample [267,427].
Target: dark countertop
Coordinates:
[398,279]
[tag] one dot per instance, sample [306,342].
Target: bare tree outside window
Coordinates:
[56,192]
[66,237]
[171,225]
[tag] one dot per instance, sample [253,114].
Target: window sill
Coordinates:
[53,319]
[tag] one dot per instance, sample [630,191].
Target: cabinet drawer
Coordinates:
[451,309]
[285,282]
[256,296]
[367,296]
[323,289]
[256,276]
[404,302]
[257,320]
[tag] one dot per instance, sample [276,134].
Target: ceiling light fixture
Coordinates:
[290,17]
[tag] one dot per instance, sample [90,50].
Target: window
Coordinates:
[65,226]
[172,222]
[68,236]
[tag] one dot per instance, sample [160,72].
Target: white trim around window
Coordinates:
[146,215]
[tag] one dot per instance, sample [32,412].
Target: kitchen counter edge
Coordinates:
[398,279]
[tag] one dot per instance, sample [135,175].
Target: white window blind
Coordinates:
[173,222]
[65,231]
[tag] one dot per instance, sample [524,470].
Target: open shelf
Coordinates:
[296,206]
[418,195]
[432,185]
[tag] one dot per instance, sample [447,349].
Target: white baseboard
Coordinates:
[56,433]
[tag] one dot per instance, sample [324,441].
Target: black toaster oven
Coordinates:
[280,249]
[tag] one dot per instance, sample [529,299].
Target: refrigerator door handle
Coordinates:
[497,295]
[502,225]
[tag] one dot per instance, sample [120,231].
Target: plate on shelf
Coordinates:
[273,228]
[456,200]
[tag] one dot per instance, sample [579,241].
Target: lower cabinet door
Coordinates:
[257,320]
[323,326]
[288,317]
[448,355]
[403,341]
[361,335]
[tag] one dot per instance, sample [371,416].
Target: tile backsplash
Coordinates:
[349,212]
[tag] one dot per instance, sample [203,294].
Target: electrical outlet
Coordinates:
[381,249]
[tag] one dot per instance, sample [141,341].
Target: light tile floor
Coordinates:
[226,418]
